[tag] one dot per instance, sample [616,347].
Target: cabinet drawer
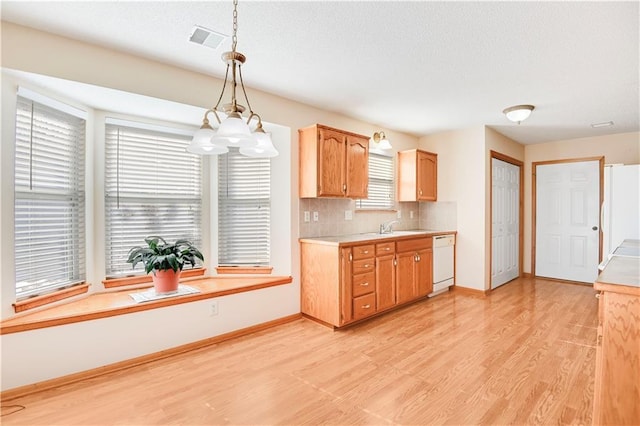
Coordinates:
[414,245]
[364,306]
[363,266]
[385,248]
[362,252]
[364,283]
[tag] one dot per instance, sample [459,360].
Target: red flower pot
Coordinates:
[166,281]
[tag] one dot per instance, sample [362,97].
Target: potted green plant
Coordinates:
[165,260]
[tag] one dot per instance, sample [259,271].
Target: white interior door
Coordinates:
[505,229]
[568,220]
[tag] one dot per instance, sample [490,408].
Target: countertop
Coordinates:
[375,237]
[623,268]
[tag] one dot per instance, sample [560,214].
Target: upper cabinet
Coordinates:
[333,163]
[417,175]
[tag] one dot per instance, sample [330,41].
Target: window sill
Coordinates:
[244,269]
[141,279]
[108,304]
[45,299]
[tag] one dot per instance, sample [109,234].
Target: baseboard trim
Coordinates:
[144,359]
[470,291]
[527,275]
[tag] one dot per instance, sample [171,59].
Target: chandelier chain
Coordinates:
[235,25]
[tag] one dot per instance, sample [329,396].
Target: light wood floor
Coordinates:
[523,355]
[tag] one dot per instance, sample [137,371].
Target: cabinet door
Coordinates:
[424,272]
[385,282]
[357,167]
[405,277]
[346,291]
[617,361]
[427,177]
[331,163]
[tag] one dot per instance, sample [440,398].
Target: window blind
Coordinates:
[153,186]
[244,206]
[49,201]
[381,190]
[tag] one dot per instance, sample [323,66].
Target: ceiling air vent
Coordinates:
[206,37]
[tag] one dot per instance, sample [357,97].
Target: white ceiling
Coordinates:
[416,67]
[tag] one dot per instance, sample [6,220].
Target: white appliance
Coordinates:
[621,209]
[443,246]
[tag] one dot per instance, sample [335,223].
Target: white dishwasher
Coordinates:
[443,246]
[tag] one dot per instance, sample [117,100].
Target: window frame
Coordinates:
[229,259]
[166,132]
[61,126]
[389,180]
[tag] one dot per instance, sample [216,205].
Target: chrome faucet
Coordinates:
[387,227]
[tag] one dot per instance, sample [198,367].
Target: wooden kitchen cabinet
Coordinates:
[341,284]
[417,175]
[385,275]
[414,276]
[332,163]
[617,382]
[363,282]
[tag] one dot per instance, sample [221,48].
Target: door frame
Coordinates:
[520,164]
[534,165]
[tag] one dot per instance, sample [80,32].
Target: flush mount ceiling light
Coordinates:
[233,131]
[518,113]
[380,140]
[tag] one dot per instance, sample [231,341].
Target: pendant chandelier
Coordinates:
[233,131]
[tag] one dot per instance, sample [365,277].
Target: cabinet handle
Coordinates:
[387,248]
[417,257]
[421,192]
[367,265]
[367,306]
[395,262]
[350,257]
[599,340]
[344,187]
[366,252]
[364,284]
[597,295]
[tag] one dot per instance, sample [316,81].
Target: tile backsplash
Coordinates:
[333,221]
[441,215]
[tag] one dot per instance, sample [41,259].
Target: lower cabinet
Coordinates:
[343,283]
[414,272]
[362,281]
[617,376]
[385,275]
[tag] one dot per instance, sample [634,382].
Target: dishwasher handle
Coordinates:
[443,240]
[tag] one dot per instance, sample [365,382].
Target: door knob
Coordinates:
[595,228]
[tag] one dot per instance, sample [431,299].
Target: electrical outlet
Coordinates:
[411,214]
[214,308]
[348,215]
[315,216]
[307,217]
[399,214]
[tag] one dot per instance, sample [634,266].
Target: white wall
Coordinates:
[461,179]
[33,51]
[43,354]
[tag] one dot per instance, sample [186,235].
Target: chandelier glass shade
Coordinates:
[233,131]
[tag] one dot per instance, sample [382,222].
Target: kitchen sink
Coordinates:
[396,233]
